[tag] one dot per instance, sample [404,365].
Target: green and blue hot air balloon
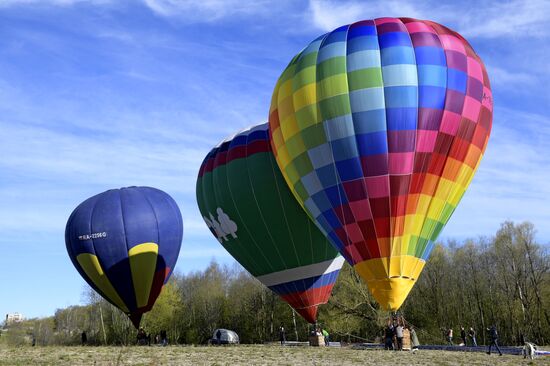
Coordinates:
[250,210]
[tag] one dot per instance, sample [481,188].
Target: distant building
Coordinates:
[14,318]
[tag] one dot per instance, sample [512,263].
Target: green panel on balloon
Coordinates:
[248,207]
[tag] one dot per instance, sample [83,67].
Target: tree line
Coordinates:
[503,280]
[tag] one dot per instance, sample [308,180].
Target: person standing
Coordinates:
[388,335]
[399,336]
[141,337]
[414,340]
[326,335]
[493,334]
[163,338]
[472,334]
[463,335]
[282,335]
[450,337]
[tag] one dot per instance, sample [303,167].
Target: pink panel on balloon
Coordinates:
[378,186]
[416,27]
[452,43]
[361,209]
[354,233]
[474,69]
[450,123]
[401,163]
[426,140]
[471,108]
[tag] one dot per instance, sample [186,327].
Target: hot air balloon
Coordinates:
[125,243]
[250,210]
[378,128]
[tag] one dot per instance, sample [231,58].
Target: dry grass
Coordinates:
[246,355]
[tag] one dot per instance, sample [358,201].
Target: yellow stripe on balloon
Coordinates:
[423,204]
[395,266]
[390,287]
[277,139]
[285,90]
[290,126]
[457,195]
[396,244]
[274,97]
[92,268]
[443,188]
[283,157]
[286,111]
[292,175]
[435,209]
[295,145]
[305,96]
[334,85]
[293,129]
[143,263]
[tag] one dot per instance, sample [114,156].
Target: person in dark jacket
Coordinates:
[141,337]
[388,336]
[282,334]
[493,334]
[463,335]
[163,338]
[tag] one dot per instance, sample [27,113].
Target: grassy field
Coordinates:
[246,355]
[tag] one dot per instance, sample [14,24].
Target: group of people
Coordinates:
[144,339]
[315,331]
[395,329]
[321,332]
[471,334]
[492,332]
[394,334]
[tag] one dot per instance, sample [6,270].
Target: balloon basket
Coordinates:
[398,318]
[316,341]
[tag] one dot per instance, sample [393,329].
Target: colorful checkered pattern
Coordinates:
[378,128]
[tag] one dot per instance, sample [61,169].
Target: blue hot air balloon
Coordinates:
[125,243]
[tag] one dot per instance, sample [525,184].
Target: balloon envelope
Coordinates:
[250,210]
[378,128]
[125,243]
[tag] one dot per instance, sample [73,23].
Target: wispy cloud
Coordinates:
[512,181]
[207,11]
[517,18]
[330,14]
[186,11]
[512,80]
[7,3]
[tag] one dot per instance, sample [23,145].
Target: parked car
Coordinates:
[224,336]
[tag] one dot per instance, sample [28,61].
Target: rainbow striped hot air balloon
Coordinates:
[125,243]
[378,128]
[250,210]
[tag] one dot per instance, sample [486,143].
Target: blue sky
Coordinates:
[102,94]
